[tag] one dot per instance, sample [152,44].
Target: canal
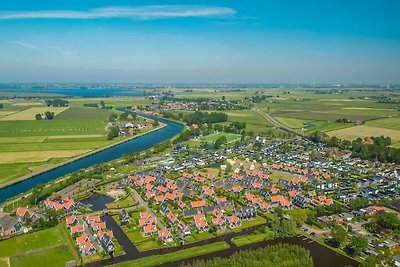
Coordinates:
[134,145]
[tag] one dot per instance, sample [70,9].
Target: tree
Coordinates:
[299,216]
[102,104]
[220,141]
[156,123]
[38,117]
[359,243]
[338,234]
[113,133]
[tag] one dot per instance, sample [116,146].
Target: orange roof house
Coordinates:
[198,204]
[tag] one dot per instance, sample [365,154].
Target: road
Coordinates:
[144,204]
[277,124]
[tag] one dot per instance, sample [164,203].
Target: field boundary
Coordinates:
[32,174]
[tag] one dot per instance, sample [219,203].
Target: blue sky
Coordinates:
[200,41]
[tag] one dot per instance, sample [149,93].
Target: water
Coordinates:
[97,202]
[135,145]
[93,92]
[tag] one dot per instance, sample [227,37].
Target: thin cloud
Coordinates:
[26,45]
[61,50]
[57,49]
[138,13]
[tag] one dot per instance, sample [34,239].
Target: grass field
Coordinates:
[365,131]
[389,123]
[33,241]
[275,176]
[229,136]
[291,122]
[37,156]
[29,114]
[12,170]
[396,145]
[56,257]
[123,203]
[156,260]
[73,131]
[253,238]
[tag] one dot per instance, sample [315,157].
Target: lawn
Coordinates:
[56,256]
[275,176]
[253,238]
[141,243]
[291,122]
[123,203]
[33,241]
[365,131]
[250,223]
[229,136]
[156,260]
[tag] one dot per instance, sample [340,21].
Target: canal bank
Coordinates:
[33,174]
[322,256]
[138,144]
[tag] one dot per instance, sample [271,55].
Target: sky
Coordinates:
[225,41]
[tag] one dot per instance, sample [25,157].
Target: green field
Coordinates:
[291,122]
[56,257]
[29,114]
[253,238]
[254,121]
[34,241]
[34,145]
[175,256]
[389,123]
[229,136]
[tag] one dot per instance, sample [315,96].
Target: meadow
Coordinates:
[30,242]
[28,145]
[29,114]
[365,131]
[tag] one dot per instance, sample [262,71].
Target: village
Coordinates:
[184,197]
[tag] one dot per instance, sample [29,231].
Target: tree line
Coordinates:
[205,117]
[56,103]
[270,256]
[377,150]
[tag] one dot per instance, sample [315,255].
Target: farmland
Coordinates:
[29,114]
[365,131]
[28,145]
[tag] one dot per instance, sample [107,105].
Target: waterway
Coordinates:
[134,145]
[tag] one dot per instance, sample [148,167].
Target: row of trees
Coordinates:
[378,150]
[46,116]
[276,255]
[56,103]
[344,120]
[205,117]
